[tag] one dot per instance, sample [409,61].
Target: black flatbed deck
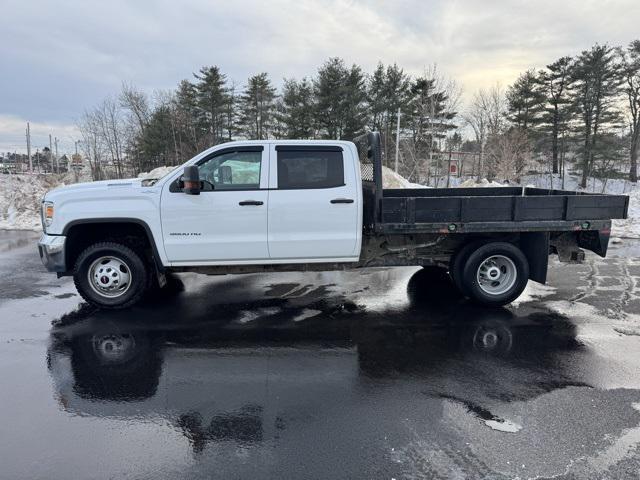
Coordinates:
[495,209]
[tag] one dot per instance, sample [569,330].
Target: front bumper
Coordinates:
[51,248]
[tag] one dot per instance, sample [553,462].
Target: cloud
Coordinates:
[59,58]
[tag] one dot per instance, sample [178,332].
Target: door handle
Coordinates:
[250,202]
[342,200]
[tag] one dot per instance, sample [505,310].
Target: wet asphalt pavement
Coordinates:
[375,374]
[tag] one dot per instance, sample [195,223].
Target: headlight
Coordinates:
[47,213]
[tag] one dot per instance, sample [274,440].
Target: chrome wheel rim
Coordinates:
[492,339]
[496,275]
[109,276]
[113,348]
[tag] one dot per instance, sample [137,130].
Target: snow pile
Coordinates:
[392,179]
[156,173]
[629,228]
[20,197]
[481,183]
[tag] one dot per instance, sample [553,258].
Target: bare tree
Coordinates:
[113,131]
[486,118]
[508,154]
[137,103]
[91,143]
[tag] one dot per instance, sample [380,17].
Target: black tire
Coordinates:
[456,269]
[138,275]
[484,252]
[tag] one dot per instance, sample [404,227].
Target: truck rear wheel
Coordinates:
[456,268]
[495,274]
[111,275]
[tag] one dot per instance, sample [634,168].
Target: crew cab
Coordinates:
[283,205]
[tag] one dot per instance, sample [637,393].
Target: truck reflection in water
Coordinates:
[220,374]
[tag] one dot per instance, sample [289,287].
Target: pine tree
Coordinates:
[387,92]
[328,90]
[190,132]
[257,107]
[525,101]
[157,139]
[630,60]
[212,95]
[354,106]
[430,118]
[597,80]
[298,109]
[555,83]
[377,98]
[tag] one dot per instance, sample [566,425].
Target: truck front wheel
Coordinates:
[495,274]
[111,275]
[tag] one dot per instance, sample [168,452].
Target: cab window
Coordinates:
[310,169]
[232,171]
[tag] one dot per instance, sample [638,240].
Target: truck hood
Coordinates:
[104,185]
[130,182]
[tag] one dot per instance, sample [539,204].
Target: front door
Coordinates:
[227,222]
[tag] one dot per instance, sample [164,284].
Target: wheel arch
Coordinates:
[83,232]
[534,245]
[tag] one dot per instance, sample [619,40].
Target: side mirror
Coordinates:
[191,180]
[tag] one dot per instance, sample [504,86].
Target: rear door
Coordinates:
[313,203]
[227,222]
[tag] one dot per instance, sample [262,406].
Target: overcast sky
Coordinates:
[61,57]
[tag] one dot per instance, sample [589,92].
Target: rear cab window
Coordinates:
[309,167]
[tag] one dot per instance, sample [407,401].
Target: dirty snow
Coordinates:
[502,425]
[392,179]
[481,183]
[20,197]
[629,228]
[157,173]
[533,291]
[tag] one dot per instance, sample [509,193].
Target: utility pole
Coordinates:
[55,142]
[29,148]
[397,141]
[51,160]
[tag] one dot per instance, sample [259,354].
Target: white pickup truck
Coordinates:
[278,205]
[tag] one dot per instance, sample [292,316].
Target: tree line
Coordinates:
[135,132]
[582,110]
[586,108]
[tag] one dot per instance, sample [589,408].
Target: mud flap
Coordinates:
[535,246]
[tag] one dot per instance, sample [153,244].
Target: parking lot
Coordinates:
[383,373]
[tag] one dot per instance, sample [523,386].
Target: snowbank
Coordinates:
[20,197]
[629,228]
[391,179]
[156,173]
[481,183]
